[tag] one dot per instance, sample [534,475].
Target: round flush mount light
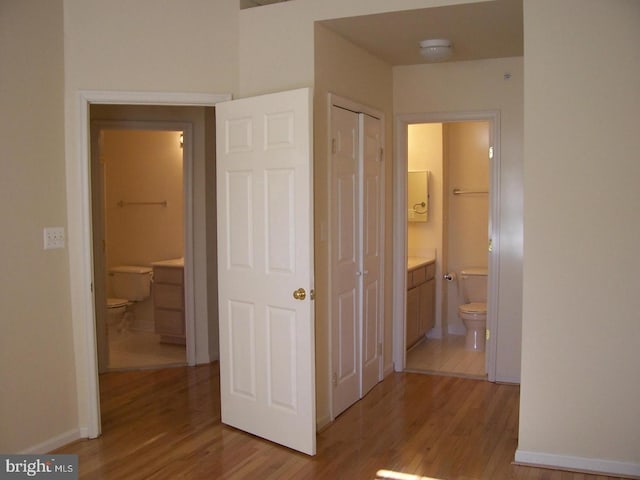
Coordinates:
[436,50]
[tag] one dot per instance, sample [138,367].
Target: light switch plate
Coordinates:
[53,237]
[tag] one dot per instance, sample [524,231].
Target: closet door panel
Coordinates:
[372,214]
[345,238]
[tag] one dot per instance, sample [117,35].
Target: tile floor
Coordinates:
[133,349]
[446,356]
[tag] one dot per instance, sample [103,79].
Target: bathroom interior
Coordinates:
[447,247]
[143,247]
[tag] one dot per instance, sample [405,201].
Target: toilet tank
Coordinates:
[131,282]
[474,284]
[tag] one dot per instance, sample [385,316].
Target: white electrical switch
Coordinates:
[53,237]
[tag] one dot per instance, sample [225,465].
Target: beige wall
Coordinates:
[477,86]
[142,166]
[346,70]
[37,373]
[581,329]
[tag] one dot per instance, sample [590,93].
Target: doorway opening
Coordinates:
[461,231]
[204,347]
[141,189]
[447,231]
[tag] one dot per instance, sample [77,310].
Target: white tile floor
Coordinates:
[132,349]
[446,356]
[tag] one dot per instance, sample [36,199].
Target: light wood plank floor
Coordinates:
[166,424]
[446,356]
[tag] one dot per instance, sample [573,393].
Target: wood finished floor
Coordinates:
[165,424]
[446,356]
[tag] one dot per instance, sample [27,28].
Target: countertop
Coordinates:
[415,262]
[174,262]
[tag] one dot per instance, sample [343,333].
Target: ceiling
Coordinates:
[491,29]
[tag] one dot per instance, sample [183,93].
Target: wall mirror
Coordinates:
[418,196]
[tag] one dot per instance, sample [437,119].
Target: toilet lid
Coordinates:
[116,302]
[476,308]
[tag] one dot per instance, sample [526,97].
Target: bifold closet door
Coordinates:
[345,237]
[371,212]
[356,255]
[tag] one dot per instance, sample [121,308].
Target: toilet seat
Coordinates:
[117,302]
[475,308]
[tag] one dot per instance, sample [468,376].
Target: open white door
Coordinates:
[265,263]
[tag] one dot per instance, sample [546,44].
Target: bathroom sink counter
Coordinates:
[417,262]
[174,262]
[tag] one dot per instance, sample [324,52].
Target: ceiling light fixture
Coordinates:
[436,50]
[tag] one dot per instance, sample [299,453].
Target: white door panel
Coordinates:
[267,363]
[372,212]
[345,238]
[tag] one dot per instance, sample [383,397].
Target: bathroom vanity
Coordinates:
[421,285]
[168,300]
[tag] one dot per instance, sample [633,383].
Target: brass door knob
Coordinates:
[299,294]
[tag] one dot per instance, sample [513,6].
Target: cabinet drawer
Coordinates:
[418,276]
[167,275]
[168,296]
[169,322]
[430,271]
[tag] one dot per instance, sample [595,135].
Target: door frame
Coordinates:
[400,228]
[80,238]
[348,104]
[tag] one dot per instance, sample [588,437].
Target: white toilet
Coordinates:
[129,284]
[473,311]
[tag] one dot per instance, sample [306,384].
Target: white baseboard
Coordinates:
[500,379]
[322,422]
[457,330]
[435,332]
[580,464]
[54,443]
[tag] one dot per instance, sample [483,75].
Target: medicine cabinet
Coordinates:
[418,196]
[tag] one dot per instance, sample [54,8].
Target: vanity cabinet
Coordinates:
[421,286]
[168,303]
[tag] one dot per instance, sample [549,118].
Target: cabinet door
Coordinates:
[413,315]
[427,306]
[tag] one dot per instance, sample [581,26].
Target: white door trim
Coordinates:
[400,230]
[80,244]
